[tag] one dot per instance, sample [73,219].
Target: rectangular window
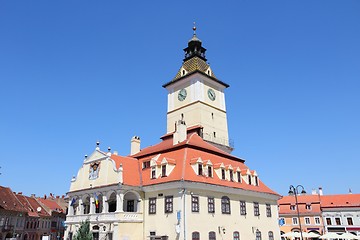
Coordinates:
[256,209]
[307,221]
[238,176]
[153,173]
[268,210]
[209,171]
[350,221]
[152,205]
[146,164]
[328,221]
[317,220]
[223,174]
[163,171]
[308,206]
[194,203]
[256,181]
[295,221]
[249,179]
[231,175]
[337,220]
[292,207]
[242,208]
[211,205]
[200,169]
[169,204]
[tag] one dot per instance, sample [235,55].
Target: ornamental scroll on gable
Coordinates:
[94,170]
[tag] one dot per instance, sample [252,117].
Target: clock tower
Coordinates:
[197,97]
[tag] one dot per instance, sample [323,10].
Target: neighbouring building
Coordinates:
[309,212]
[320,213]
[30,218]
[341,213]
[188,186]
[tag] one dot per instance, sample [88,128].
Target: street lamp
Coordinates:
[295,191]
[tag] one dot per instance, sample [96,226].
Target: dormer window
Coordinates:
[256,181]
[223,174]
[249,179]
[238,176]
[183,72]
[209,171]
[153,172]
[146,164]
[231,175]
[292,207]
[163,170]
[308,206]
[200,169]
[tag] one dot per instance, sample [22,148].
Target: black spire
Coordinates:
[194,48]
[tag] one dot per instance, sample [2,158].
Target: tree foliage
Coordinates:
[83,233]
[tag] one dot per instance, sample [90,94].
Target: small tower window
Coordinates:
[212,115]
[182,116]
[214,134]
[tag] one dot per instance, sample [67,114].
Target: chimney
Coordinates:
[180,132]
[320,191]
[313,191]
[19,193]
[135,145]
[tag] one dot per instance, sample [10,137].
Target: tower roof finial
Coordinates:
[194,28]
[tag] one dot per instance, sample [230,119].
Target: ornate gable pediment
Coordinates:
[97,155]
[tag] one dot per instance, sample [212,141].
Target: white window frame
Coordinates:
[307,221]
[295,221]
[318,220]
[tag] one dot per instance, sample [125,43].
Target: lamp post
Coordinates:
[295,191]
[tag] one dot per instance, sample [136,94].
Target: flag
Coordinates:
[96,200]
[73,200]
[281,221]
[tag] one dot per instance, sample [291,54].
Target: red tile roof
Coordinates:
[183,155]
[340,200]
[303,200]
[8,201]
[51,204]
[32,206]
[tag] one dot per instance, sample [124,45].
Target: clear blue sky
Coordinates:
[74,72]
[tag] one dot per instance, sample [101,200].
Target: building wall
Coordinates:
[203,222]
[343,214]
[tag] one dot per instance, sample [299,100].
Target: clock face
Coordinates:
[211,94]
[182,94]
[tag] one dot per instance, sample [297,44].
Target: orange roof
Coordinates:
[129,165]
[340,200]
[303,200]
[184,154]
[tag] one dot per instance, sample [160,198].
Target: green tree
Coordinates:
[83,233]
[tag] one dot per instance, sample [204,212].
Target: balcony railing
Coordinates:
[106,217]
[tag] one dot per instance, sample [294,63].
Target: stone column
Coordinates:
[70,209]
[105,204]
[119,202]
[92,205]
[81,207]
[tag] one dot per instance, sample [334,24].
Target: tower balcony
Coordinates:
[224,144]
